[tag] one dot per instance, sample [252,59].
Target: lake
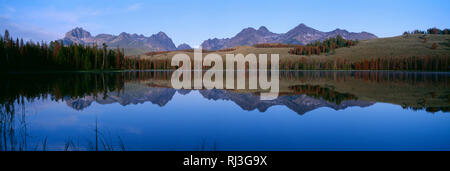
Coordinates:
[315,110]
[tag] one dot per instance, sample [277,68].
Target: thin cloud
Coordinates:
[134,7]
[65,16]
[26,31]
[7,11]
[11,9]
[68,19]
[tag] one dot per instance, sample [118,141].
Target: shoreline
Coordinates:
[169,70]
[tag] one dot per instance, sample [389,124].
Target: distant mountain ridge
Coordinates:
[183,46]
[156,42]
[301,34]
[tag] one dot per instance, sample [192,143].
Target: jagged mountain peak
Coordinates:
[250,30]
[183,46]
[124,34]
[263,28]
[156,42]
[303,28]
[264,31]
[301,34]
[78,32]
[247,30]
[161,34]
[338,30]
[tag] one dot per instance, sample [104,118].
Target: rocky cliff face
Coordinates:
[156,42]
[214,44]
[301,34]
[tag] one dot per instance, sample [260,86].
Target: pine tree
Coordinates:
[21,46]
[6,38]
[76,56]
[118,58]
[104,55]
[2,54]
[6,42]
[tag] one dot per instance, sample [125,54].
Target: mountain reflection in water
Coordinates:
[247,101]
[341,110]
[299,91]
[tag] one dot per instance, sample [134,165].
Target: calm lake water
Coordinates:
[315,110]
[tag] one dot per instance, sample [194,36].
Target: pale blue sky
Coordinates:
[196,20]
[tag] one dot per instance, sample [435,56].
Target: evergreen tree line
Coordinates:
[326,46]
[134,63]
[429,31]
[17,55]
[423,63]
[415,63]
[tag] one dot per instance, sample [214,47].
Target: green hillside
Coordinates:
[397,52]
[400,46]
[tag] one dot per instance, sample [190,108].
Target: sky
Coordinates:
[193,21]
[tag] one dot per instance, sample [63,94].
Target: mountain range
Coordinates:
[156,42]
[301,34]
